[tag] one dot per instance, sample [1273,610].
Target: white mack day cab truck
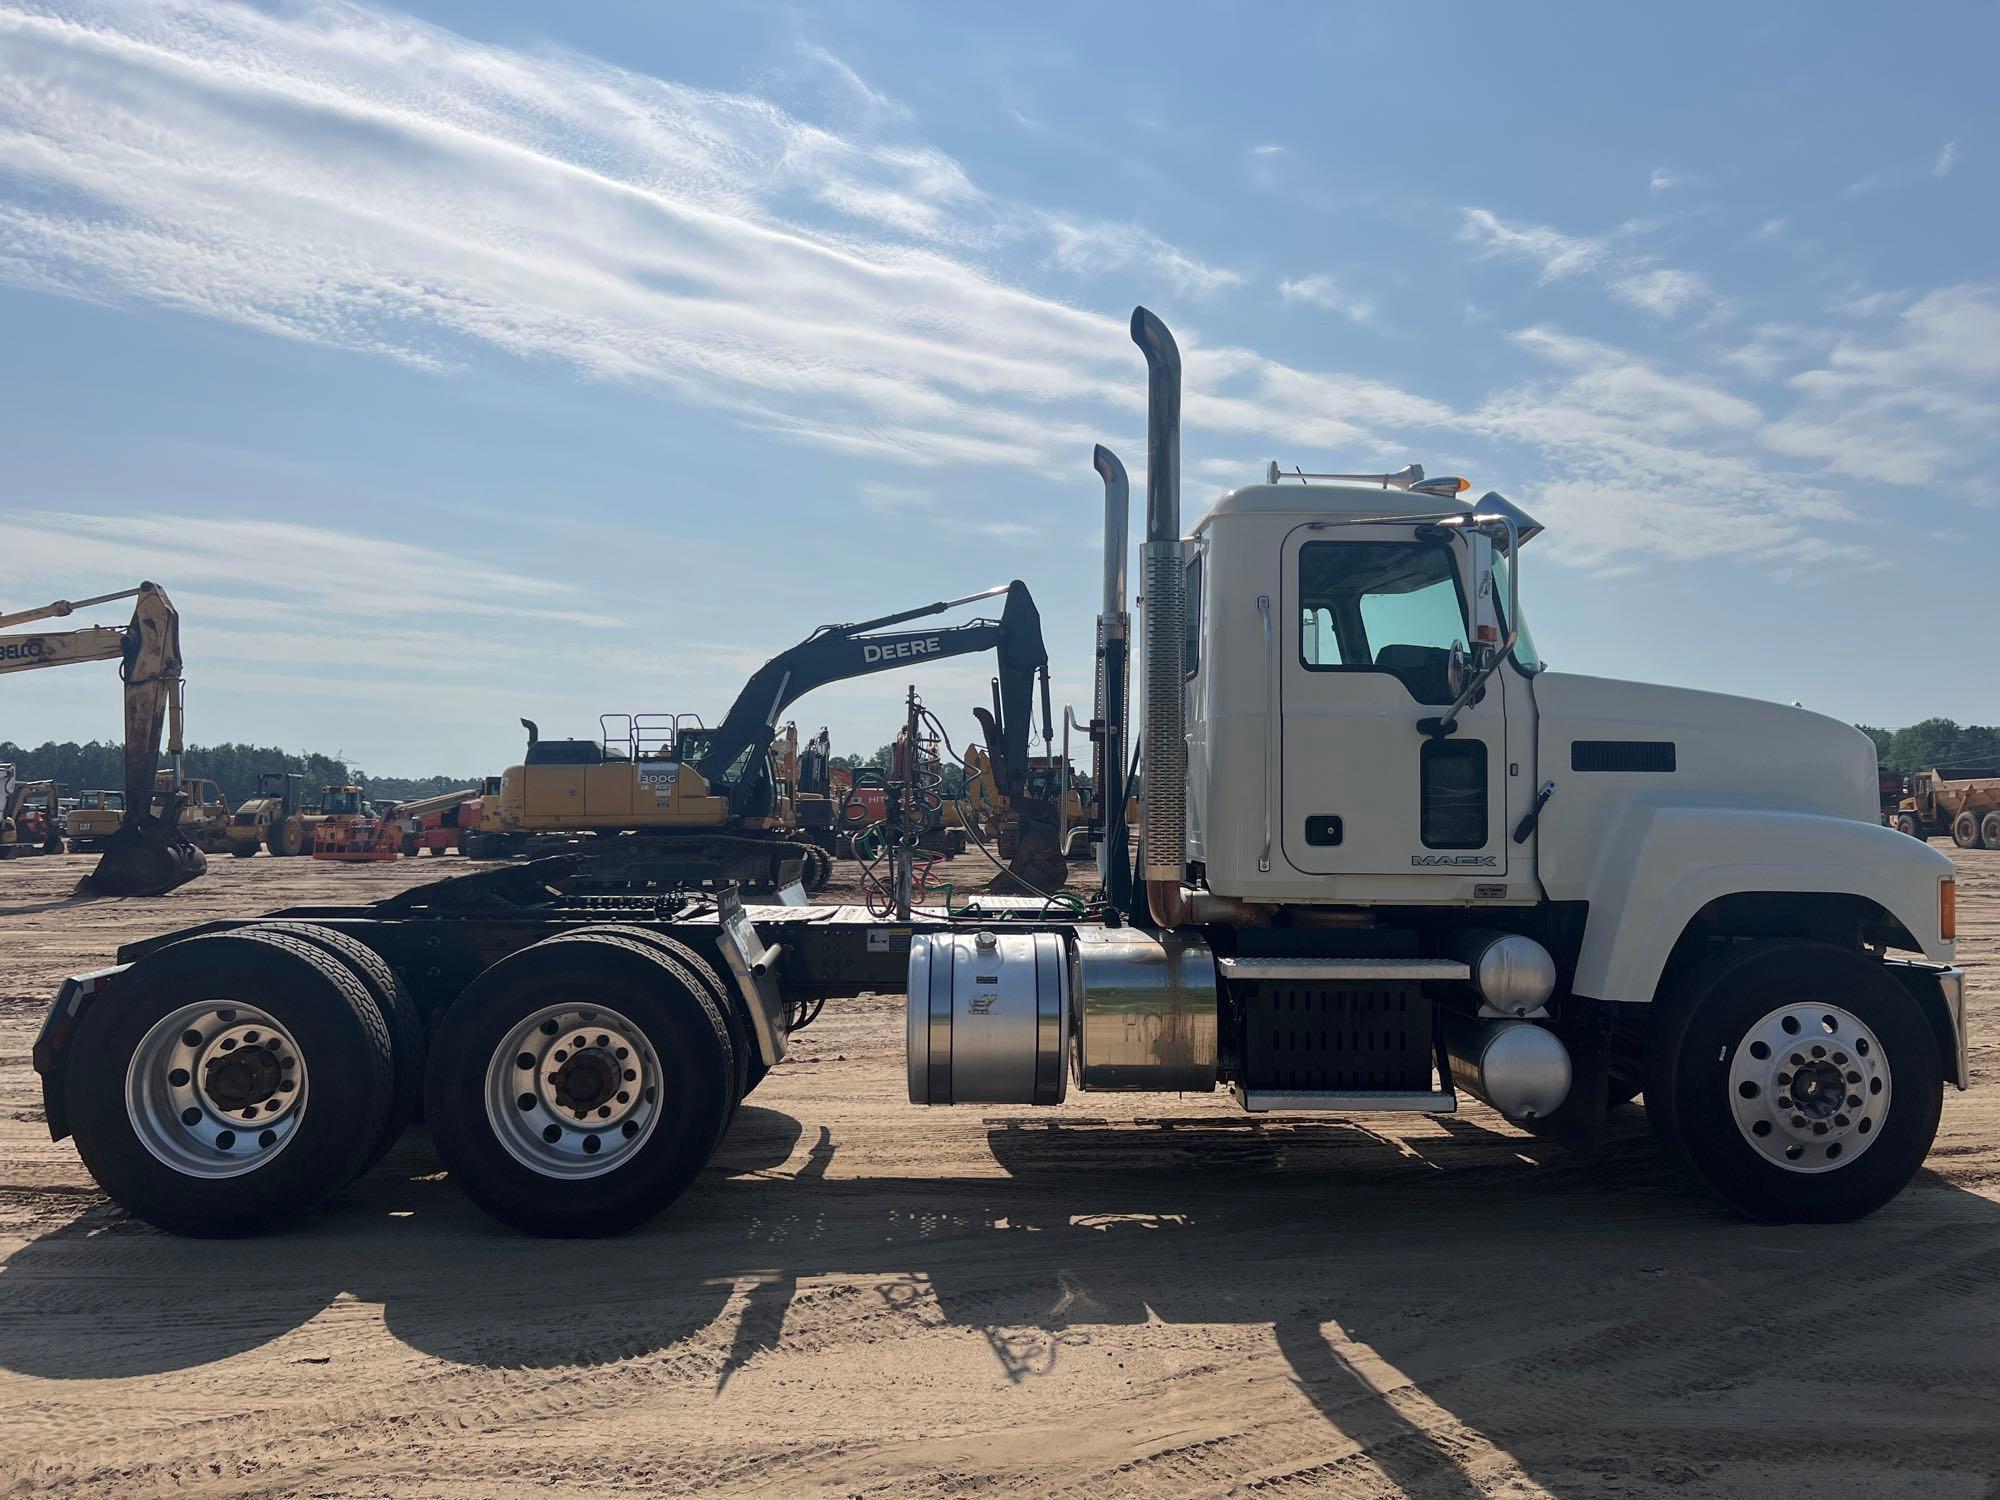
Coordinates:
[1385,861]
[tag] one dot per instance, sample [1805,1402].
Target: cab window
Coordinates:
[1391,607]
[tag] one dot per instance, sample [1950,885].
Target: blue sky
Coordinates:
[477,360]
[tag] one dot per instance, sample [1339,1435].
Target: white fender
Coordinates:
[1658,866]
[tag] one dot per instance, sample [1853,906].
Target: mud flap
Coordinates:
[1579,1123]
[147,856]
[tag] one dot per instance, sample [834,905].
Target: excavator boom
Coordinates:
[148,854]
[731,755]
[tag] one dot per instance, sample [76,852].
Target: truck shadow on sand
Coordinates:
[1492,1281]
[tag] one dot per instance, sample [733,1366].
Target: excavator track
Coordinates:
[699,859]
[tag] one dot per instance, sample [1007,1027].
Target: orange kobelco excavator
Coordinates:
[148,854]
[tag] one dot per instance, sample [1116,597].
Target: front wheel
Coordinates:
[1907,823]
[1798,1082]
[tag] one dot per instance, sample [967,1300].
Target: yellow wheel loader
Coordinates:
[147,854]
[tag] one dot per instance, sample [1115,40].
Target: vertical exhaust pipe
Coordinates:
[1163,814]
[1114,630]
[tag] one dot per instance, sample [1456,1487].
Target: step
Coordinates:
[1345,1102]
[1348,969]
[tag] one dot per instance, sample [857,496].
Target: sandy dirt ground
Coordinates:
[1154,1297]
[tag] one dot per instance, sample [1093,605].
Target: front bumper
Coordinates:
[1950,982]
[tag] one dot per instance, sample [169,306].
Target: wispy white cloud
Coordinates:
[1916,404]
[323,568]
[1665,179]
[1555,254]
[1662,292]
[1633,276]
[1907,173]
[1100,249]
[1648,461]
[1770,229]
[1324,291]
[363,181]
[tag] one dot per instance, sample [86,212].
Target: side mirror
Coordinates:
[1485,608]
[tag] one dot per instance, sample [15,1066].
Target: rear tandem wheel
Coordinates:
[578,1086]
[228,1082]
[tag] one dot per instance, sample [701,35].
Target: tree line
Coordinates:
[235,767]
[232,767]
[1944,744]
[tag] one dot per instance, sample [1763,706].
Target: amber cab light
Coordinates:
[1948,910]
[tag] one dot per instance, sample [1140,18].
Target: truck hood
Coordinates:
[1727,750]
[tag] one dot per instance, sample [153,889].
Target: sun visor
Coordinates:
[1493,503]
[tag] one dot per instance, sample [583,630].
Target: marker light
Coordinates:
[1488,634]
[1442,486]
[1948,910]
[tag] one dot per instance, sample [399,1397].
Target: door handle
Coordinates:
[1264,609]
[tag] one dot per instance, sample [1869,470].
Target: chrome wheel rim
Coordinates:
[573,1091]
[1809,1086]
[216,1089]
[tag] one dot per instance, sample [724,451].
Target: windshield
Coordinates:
[1524,648]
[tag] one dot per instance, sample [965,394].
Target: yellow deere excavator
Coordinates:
[711,806]
[148,854]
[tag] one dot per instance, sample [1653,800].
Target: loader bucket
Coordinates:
[1038,866]
[147,856]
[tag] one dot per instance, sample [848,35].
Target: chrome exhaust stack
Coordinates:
[1111,706]
[1163,810]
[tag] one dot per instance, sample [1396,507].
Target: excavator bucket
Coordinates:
[147,856]
[1038,867]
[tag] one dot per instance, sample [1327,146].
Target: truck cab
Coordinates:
[1333,634]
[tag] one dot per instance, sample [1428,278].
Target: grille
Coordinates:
[1621,755]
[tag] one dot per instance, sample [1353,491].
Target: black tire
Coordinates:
[1708,1015]
[748,1062]
[408,1043]
[1965,831]
[1907,823]
[1989,830]
[287,837]
[340,1035]
[242,851]
[680,1023]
